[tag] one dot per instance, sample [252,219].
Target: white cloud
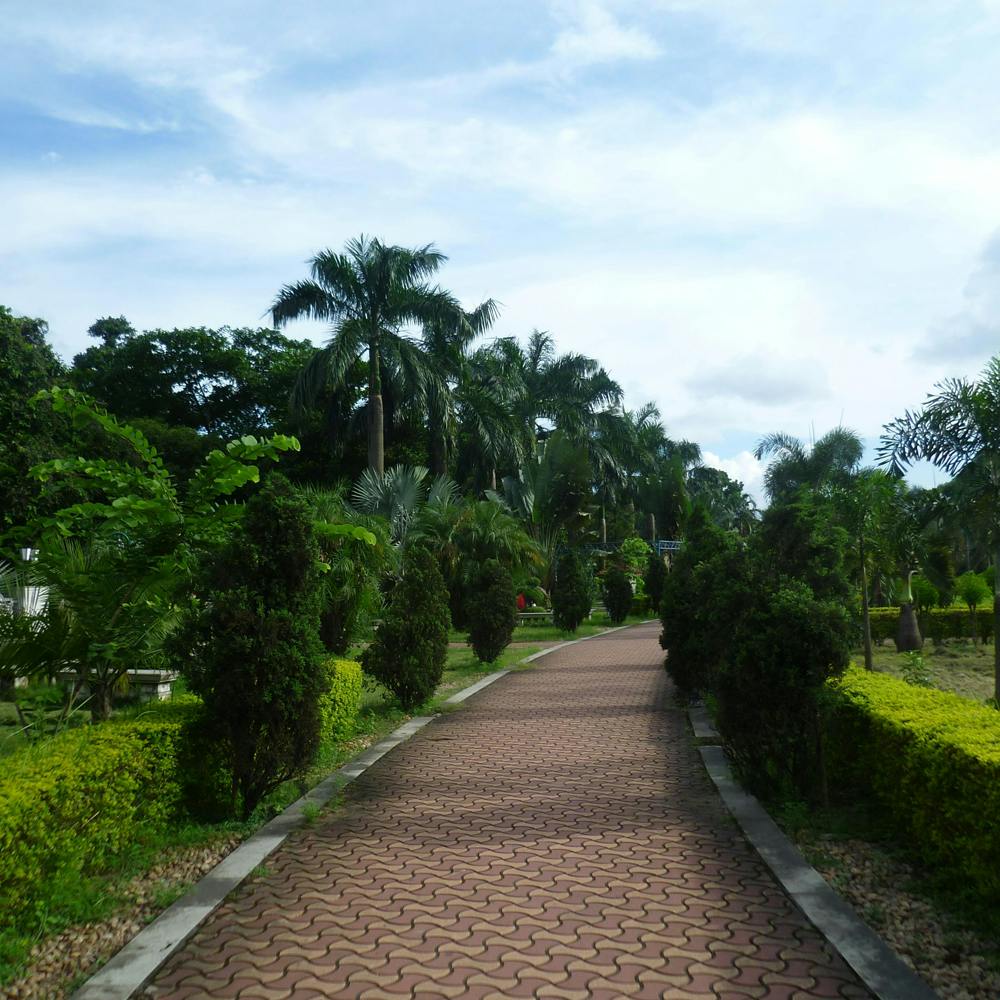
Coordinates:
[598,37]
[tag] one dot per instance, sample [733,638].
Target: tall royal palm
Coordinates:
[369,294]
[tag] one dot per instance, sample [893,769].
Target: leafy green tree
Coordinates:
[973,590]
[957,430]
[369,294]
[491,610]
[571,593]
[729,506]
[258,657]
[617,593]
[226,382]
[120,561]
[411,644]
[28,435]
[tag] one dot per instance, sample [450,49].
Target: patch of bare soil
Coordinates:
[952,961]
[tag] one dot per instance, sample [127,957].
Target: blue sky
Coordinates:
[761,215]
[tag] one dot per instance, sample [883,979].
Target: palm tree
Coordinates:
[833,457]
[957,430]
[369,294]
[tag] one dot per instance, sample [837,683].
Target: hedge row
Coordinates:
[70,804]
[937,624]
[929,758]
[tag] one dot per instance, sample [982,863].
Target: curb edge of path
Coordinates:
[132,967]
[879,968]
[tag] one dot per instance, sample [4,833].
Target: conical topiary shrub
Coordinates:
[411,644]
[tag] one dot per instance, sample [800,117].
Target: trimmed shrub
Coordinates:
[617,593]
[704,596]
[492,611]
[929,758]
[341,701]
[655,579]
[786,646]
[411,644]
[69,804]
[257,657]
[571,596]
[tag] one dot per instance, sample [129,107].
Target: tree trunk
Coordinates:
[100,706]
[652,529]
[908,638]
[996,633]
[493,479]
[376,439]
[865,615]
[604,527]
[439,451]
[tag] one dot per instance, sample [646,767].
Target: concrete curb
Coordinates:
[135,964]
[877,965]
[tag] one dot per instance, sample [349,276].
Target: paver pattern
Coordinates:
[557,837]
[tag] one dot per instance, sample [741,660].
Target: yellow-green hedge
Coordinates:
[930,758]
[69,804]
[340,704]
[936,624]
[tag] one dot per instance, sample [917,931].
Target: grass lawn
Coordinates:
[546,632]
[960,667]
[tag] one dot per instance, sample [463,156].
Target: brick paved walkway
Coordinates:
[557,837]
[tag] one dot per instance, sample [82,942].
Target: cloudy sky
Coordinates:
[762,215]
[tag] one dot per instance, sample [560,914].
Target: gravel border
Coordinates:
[877,965]
[133,966]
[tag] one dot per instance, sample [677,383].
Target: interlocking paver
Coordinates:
[558,837]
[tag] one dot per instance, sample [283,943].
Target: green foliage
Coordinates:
[571,593]
[915,670]
[224,382]
[973,590]
[930,759]
[759,626]
[703,596]
[255,653]
[492,611]
[68,804]
[340,703]
[785,648]
[356,555]
[925,594]
[633,553]
[617,592]
[411,644]
[655,580]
